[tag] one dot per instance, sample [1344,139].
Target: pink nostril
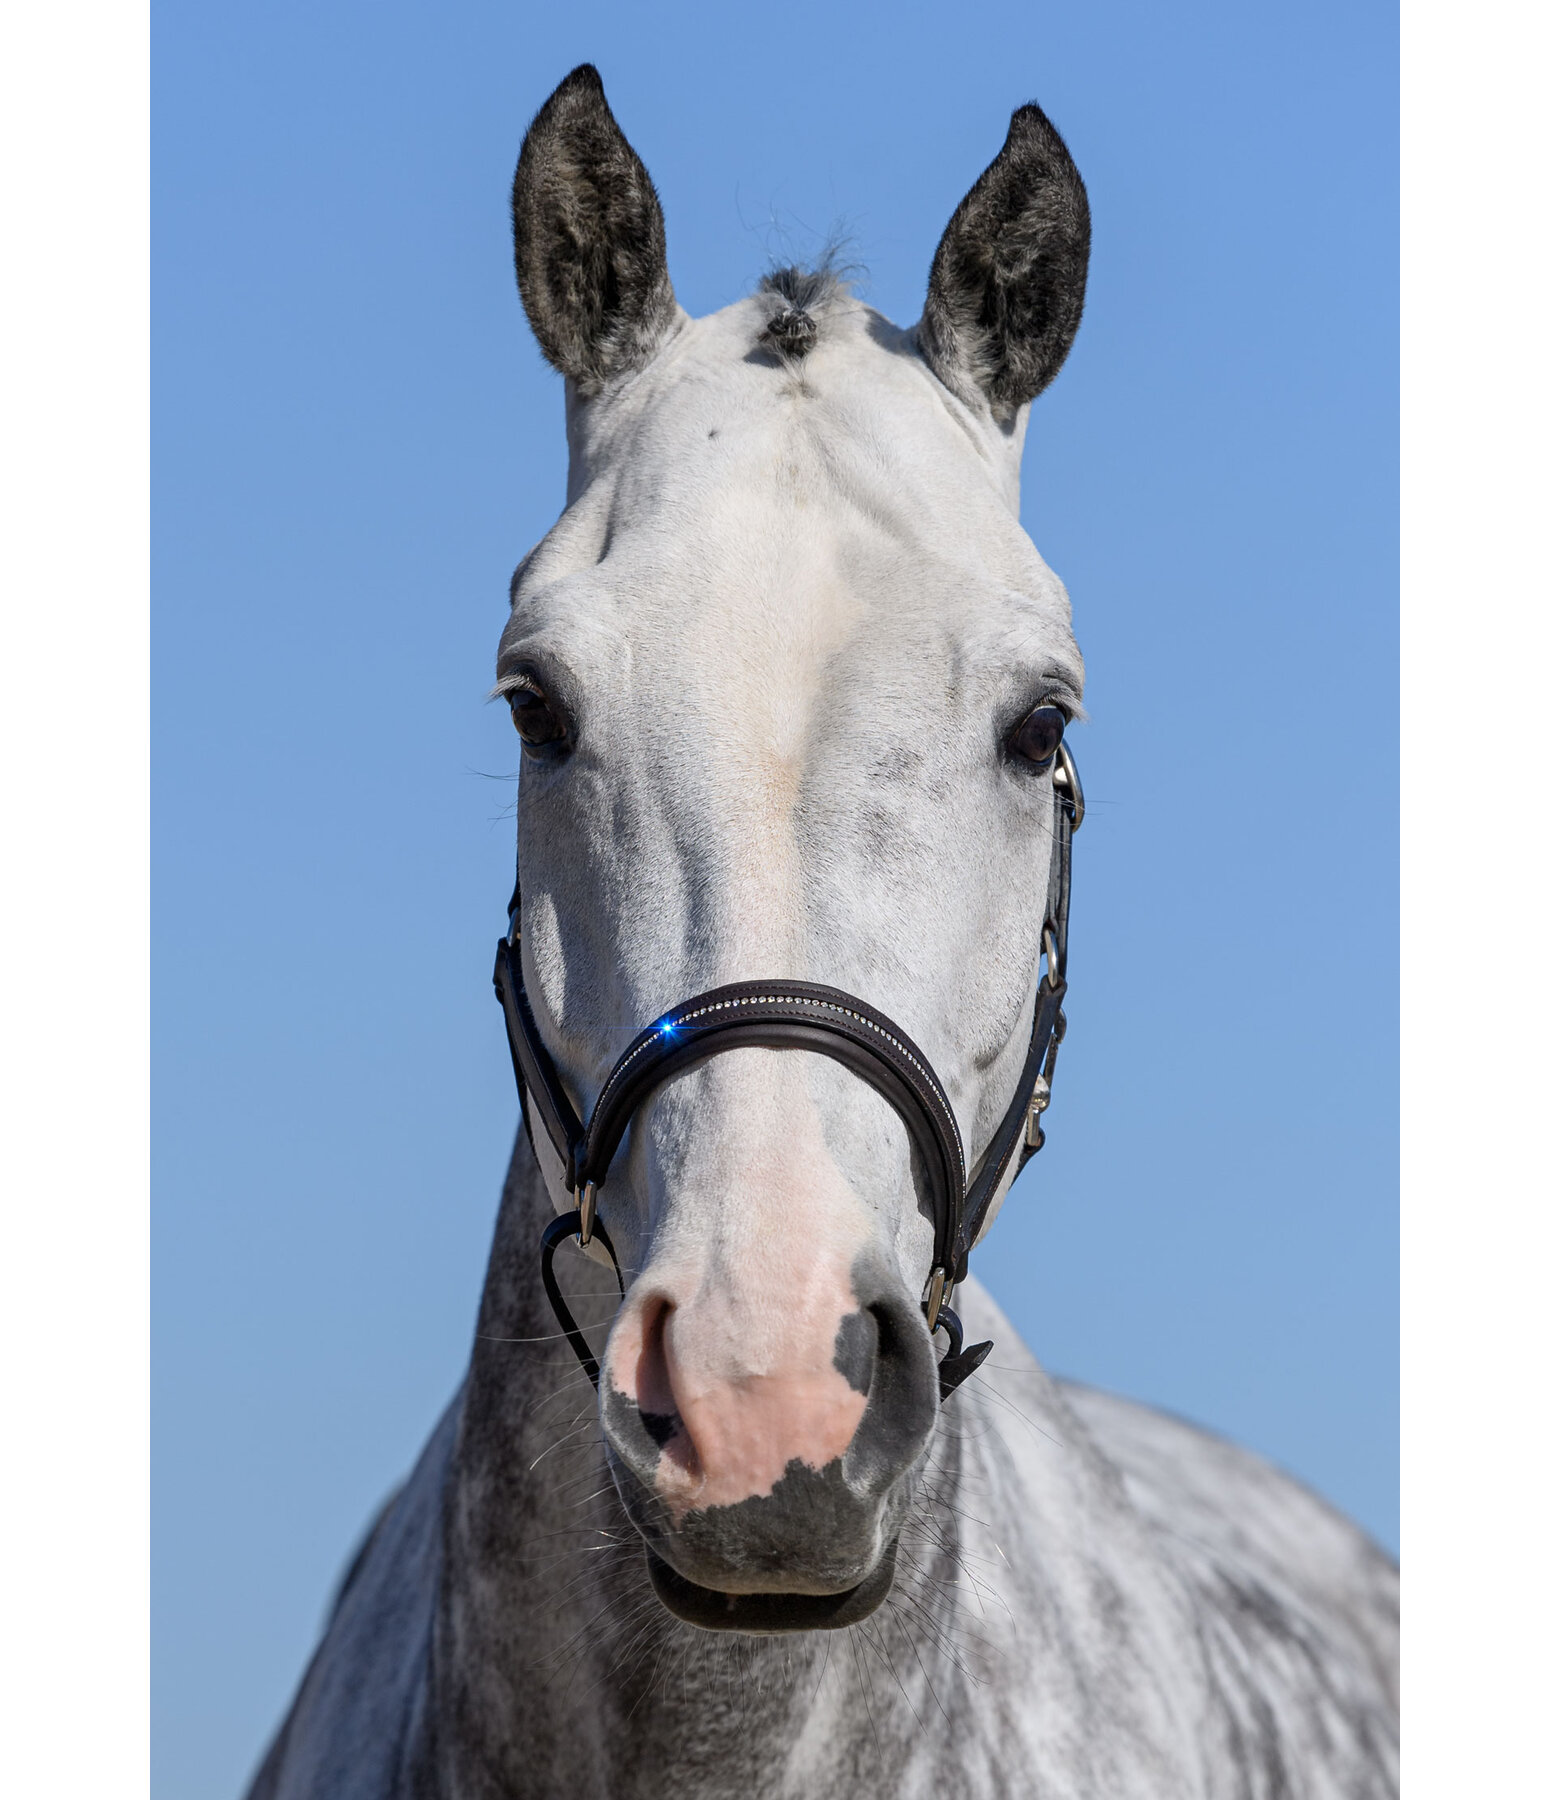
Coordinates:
[654,1392]
[653,1383]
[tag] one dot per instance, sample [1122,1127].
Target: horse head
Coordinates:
[790,680]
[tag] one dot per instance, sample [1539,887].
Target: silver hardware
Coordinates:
[1052,953]
[1068,785]
[586,1205]
[1033,1131]
[935,1292]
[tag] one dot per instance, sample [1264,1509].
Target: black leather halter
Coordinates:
[801,1015]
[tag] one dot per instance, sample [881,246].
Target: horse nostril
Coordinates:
[653,1378]
[659,1426]
[856,1346]
[888,1355]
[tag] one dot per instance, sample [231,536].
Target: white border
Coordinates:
[74,913]
[1475,664]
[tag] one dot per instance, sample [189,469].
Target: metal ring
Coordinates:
[586,1213]
[1069,785]
[931,1303]
[1052,952]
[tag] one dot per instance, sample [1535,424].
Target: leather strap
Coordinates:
[790,1015]
[1020,1135]
[538,1081]
[559,1228]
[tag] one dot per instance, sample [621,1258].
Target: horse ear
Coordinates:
[591,250]
[1010,273]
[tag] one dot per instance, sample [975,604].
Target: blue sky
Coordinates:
[355,440]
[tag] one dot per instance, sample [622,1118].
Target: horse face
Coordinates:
[769,669]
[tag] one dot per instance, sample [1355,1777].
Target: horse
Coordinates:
[791,684]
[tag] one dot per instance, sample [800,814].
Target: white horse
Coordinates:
[790,681]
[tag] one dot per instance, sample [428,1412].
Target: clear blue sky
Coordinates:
[356,439]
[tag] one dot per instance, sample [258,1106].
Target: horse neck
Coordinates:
[557,1671]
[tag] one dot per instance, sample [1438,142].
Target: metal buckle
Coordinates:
[1033,1131]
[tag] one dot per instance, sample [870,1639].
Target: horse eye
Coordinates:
[1038,737]
[538,722]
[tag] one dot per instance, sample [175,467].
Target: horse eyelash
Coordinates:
[1057,693]
[519,682]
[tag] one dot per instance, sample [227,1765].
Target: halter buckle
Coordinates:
[1033,1131]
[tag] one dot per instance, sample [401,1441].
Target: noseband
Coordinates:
[801,1015]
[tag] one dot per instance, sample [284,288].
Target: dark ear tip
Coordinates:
[584,75]
[1032,122]
[581,90]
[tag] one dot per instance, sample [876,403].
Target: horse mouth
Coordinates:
[768,1615]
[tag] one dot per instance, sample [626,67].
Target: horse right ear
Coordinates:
[1010,273]
[590,245]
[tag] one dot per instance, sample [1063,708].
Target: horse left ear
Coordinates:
[590,245]
[1010,274]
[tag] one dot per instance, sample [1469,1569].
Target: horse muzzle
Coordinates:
[779,1475]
